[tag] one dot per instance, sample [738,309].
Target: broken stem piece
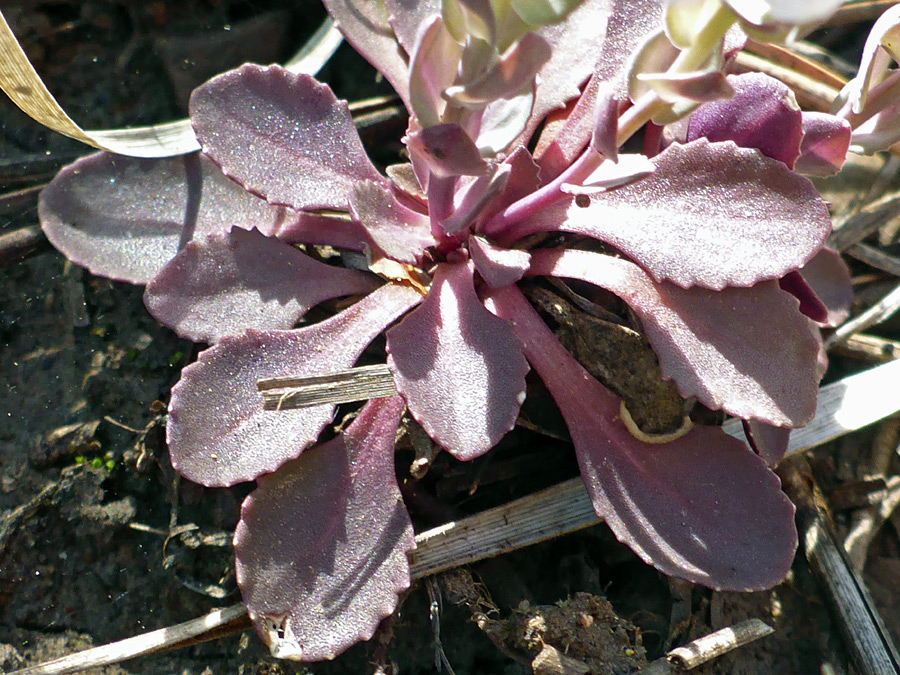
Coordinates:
[346,386]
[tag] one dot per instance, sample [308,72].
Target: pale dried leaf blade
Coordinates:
[346,386]
[151,642]
[20,81]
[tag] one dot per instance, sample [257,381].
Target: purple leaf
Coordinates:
[762,114]
[712,215]
[604,138]
[748,351]
[218,432]
[498,266]
[576,44]
[471,200]
[322,544]
[408,16]
[399,232]
[125,218]
[282,136]
[826,140]
[810,305]
[829,277]
[447,150]
[566,134]
[335,229]
[627,168]
[630,23]
[365,25]
[702,507]
[524,178]
[228,283]
[770,443]
[458,366]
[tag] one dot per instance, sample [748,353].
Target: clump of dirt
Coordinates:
[581,635]
[584,629]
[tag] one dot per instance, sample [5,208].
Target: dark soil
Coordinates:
[100,540]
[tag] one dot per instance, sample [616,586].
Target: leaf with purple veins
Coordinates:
[321,547]
[458,366]
[228,283]
[703,507]
[124,218]
[218,432]
[715,345]
[712,215]
[282,136]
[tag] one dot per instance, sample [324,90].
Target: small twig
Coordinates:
[868,522]
[716,644]
[705,649]
[346,386]
[860,225]
[22,243]
[869,644]
[876,258]
[211,626]
[868,348]
[877,313]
